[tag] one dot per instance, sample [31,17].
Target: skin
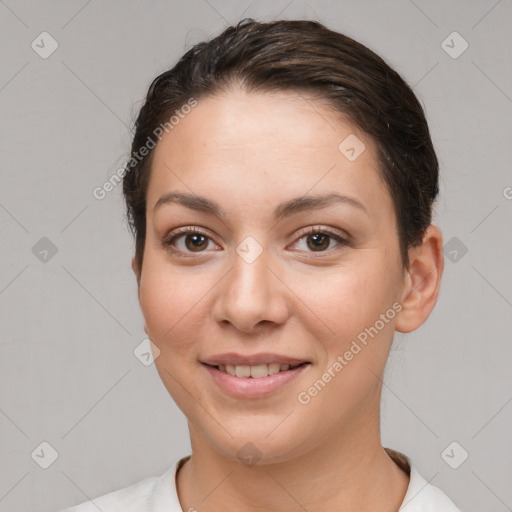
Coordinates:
[249,153]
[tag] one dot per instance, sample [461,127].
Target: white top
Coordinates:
[158,494]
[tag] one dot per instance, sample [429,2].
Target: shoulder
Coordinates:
[135,498]
[153,494]
[422,496]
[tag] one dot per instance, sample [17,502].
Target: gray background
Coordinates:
[70,320]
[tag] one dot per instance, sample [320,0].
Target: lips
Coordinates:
[254,381]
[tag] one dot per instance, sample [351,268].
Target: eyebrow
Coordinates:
[283,210]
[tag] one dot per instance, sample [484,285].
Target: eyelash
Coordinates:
[313,230]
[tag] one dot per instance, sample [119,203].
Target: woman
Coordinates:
[280,192]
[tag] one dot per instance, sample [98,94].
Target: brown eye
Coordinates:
[188,240]
[195,242]
[319,240]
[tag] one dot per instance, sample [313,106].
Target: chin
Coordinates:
[256,446]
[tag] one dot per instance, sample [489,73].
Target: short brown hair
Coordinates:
[301,55]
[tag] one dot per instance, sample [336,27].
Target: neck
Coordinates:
[345,472]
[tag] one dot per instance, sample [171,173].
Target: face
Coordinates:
[257,268]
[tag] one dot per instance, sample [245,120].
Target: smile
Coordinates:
[257,381]
[256,372]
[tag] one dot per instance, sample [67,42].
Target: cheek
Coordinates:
[174,303]
[173,312]
[359,340]
[163,298]
[350,299]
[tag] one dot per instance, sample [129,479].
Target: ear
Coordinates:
[136,270]
[422,281]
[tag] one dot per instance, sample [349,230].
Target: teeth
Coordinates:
[256,372]
[243,371]
[273,368]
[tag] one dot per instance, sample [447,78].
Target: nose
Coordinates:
[252,295]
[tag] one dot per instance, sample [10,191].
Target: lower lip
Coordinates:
[249,387]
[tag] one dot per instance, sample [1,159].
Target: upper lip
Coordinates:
[234,359]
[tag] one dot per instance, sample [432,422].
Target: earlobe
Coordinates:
[422,281]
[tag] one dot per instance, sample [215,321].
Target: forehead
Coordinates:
[280,118]
[266,145]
